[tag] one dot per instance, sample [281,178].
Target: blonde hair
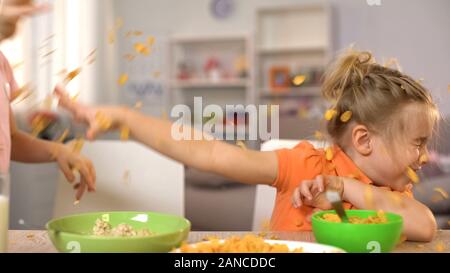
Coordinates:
[374,94]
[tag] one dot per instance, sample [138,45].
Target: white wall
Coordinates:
[414,31]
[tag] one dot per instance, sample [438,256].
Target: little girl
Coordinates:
[379,125]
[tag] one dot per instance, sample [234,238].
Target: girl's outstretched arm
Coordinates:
[243,165]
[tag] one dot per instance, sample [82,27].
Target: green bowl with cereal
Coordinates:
[118,231]
[369,231]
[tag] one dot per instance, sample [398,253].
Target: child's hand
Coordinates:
[99,119]
[13,10]
[312,192]
[70,161]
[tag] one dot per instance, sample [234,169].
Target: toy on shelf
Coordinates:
[212,69]
[184,71]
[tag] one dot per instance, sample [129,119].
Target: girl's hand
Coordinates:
[99,119]
[69,162]
[11,11]
[312,192]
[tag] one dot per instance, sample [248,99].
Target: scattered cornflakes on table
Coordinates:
[241,144]
[262,234]
[440,246]
[402,239]
[210,237]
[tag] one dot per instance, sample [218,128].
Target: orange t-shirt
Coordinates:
[304,162]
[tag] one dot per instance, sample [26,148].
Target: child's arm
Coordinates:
[28,149]
[12,11]
[245,166]
[418,221]
[310,192]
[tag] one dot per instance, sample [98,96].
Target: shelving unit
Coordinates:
[311,91]
[188,55]
[290,49]
[205,83]
[293,37]
[296,38]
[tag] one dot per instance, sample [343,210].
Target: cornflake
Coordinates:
[329,114]
[412,175]
[346,116]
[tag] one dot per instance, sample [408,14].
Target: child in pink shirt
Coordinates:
[20,146]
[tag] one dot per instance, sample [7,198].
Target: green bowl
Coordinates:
[73,233]
[359,238]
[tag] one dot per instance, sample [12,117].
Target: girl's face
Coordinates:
[389,166]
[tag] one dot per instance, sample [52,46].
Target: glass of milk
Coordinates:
[4,211]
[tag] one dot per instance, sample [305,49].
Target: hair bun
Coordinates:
[349,69]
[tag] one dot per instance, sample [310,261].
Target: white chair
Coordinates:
[130,176]
[265,195]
